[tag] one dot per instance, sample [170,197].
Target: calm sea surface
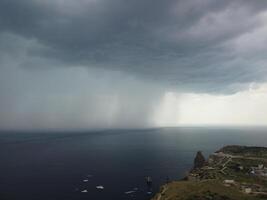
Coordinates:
[53,166]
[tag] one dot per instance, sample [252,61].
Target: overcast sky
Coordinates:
[87,64]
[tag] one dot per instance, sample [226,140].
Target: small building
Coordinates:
[193,177]
[260,166]
[240,167]
[228,181]
[260,170]
[247,190]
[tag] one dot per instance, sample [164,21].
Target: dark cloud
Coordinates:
[189,45]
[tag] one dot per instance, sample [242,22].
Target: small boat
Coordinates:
[100,187]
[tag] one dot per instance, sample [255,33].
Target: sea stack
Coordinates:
[199,160]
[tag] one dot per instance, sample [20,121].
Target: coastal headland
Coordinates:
[231,173]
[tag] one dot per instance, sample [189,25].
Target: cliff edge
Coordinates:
[231,173]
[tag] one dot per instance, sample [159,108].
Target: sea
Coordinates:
[107,164]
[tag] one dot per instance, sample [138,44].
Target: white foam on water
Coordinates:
[129,192]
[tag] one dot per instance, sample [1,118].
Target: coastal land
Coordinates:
[231,173]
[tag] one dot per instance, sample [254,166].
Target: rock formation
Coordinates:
[199,160]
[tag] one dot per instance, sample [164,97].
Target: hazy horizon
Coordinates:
[94,130]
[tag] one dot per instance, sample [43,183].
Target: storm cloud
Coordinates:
[186,44]
[147,46]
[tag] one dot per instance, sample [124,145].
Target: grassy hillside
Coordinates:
[245,151]
[202,190]
[232,173]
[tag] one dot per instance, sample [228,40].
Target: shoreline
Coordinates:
[232,172]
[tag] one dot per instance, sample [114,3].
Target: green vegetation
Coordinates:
[211,189]
[232,173]
[245,151]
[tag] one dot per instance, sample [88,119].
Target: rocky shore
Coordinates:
[231,173]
